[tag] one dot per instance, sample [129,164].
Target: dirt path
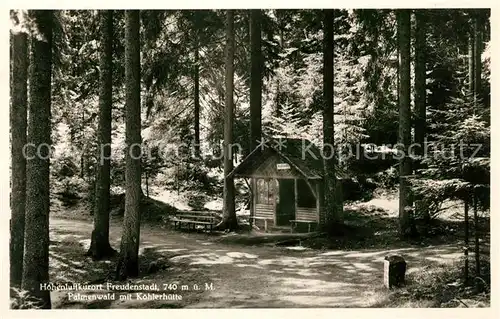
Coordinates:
[258,276]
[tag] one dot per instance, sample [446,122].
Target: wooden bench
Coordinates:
[265,219]
[294,223]
[192,219]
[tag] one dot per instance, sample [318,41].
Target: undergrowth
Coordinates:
[442,286]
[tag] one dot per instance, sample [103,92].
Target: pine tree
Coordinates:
[405,214]
[100,247]
[36,245]
[128,263]
[471,61]
[196,78]
[420,97]
[470,46]
[478,42]
[332,203]
[18,123]
[454,168]
[229,214]
[255,79]
[420,74]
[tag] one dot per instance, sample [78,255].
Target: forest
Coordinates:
[286,142]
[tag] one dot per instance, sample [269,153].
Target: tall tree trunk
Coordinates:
[471,61]
[128,263]
[255,79]
[466,204]
[18,123]
[331,214]
[466,239]
[405,205]
[100,247]
[196,96]
[476,234]
[420,98]
[477,59]
[477,95]
[278,84]
[229,214]
[36,245]
[277,109]
[147,183]
[82,140]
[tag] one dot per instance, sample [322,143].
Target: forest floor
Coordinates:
[241,275]
[272,269]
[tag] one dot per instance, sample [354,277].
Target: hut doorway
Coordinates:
[285,207]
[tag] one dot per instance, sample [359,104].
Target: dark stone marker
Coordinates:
[394,271]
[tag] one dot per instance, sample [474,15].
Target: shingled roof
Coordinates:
[301,154]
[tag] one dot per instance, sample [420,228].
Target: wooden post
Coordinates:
[318,201]
[276,187]
[252,201]
[255,197]
[295,193]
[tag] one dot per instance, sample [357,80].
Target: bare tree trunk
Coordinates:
[255,79]
[147,183]
[82,157]
[420,98]
[477,60]
[100,247]
[405,205]
[128,263]
[466,203]
[18,124]
[279,94]
[36,245]
[471,62]
[229,214]
[477,95]
[466,240]
[196,97]
[255,82]
[331,213]
[477,256]
[177,180]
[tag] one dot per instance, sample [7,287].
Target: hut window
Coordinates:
[305,198]
[265,191]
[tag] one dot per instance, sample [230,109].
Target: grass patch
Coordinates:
[372,227]
[152,210]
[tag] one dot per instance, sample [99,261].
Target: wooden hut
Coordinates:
[286,178]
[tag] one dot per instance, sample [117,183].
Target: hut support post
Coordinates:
[295,193]
[295,200]
[253,200]
[318,199]
[275,190]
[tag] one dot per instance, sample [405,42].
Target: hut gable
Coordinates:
[282,158]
